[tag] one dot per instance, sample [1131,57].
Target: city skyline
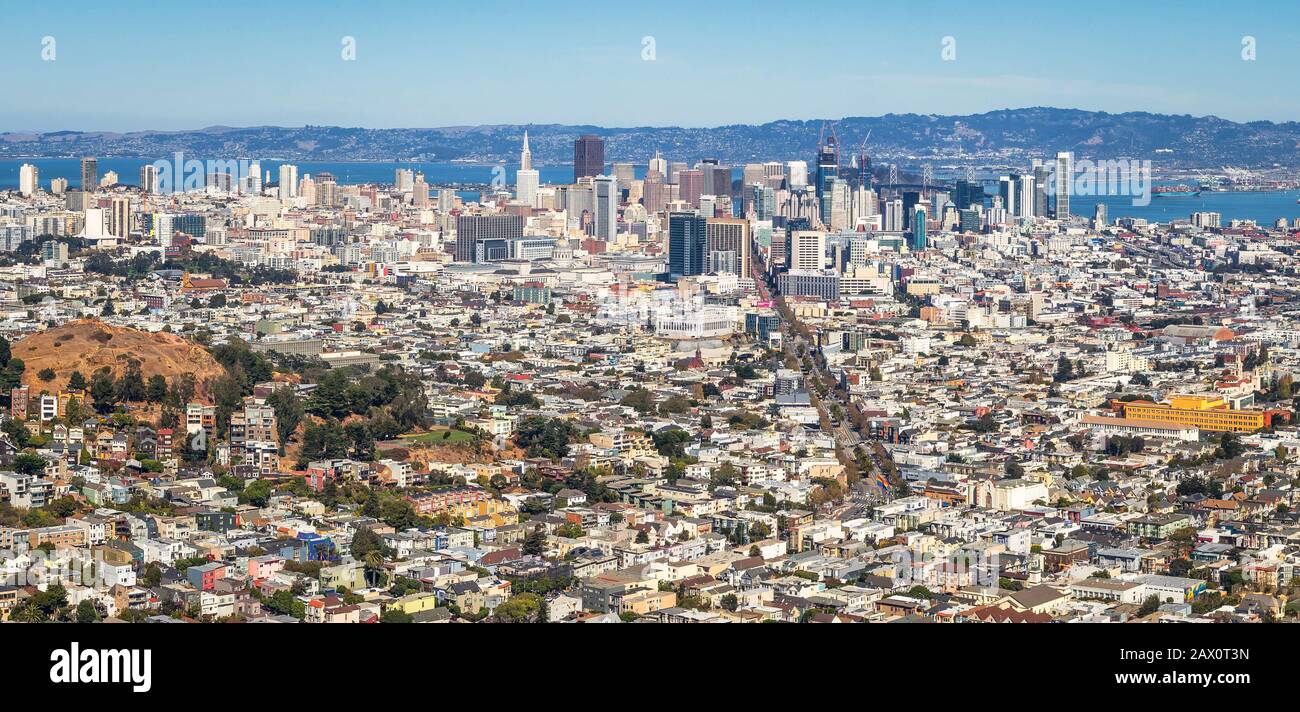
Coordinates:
[288,68]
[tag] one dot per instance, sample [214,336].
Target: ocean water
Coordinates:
[1262,207]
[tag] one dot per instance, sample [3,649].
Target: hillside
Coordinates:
[89,345]
[995,137]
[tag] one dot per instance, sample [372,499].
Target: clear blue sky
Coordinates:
[129,66]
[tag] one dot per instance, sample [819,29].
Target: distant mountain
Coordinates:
[1007,137]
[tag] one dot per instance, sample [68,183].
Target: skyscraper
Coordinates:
[1025,201]
[119,221]
[919,242]
[89,174]
[606,207]
[588,157]
[149,178]
[288,182]
[729,235]
[687,244]
[527,180]
[691,187]
[1064,181]
[807,250]
[29,179]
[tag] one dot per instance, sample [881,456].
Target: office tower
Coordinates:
[1025,200]
[588,157]
[119,223]
[894,216]
[326,190]
[717,180]
[29,179]
[624,172]
[1042,175]
[687,244]
[89,174]
[1007,188]
[288,182]
[251,184]
[807,250]
[527,183]
[606,193]
[420,192]
[828,164]
[486,238]
[403,180]
[798,173]
[1064,182]
[1099,217]
[918,228]
[654,192]
[307,189]
[910,199]
[968,220]
[446,200]
[526,156]
[675,170]
[76,201]
[761,201]
[730,235]
[149,178]
[691,186]
[965,194]
[658,164]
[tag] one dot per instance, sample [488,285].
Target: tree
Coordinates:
[257,494]
[729,602]
[25,463]
[642,537]
[535,542]
[1149,606]
[521,608]
[103,389]
[396,615]
[130,387]
[156,389]
[46,374]
[77,381]
[86,612]
[288,412]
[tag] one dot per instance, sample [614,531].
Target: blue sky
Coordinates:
[129,66]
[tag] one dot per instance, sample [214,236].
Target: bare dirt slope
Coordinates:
[89,345]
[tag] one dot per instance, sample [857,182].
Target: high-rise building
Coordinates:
[149,178]
[606,189]
[828,164]
[919,242]
[1008,186]
[687,244]
[654,192]
[1025,200]
[1099,218]
[119,221]
[486,238]
[894,216]
[798,173]
[527,180]
[806,250]
[659,164]
[691,186]
[526,156]
[1064,182]
[403,180]
[288,182]
[29,179]
[420,192]
[326,190]
[728,235]
[89,174]
[588,157]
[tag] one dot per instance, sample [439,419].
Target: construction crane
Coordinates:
[864,164]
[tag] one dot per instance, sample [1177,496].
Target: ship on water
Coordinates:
[1175,190]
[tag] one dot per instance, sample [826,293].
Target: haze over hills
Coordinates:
[1005,137]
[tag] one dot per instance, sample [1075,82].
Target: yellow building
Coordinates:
[1205,412]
